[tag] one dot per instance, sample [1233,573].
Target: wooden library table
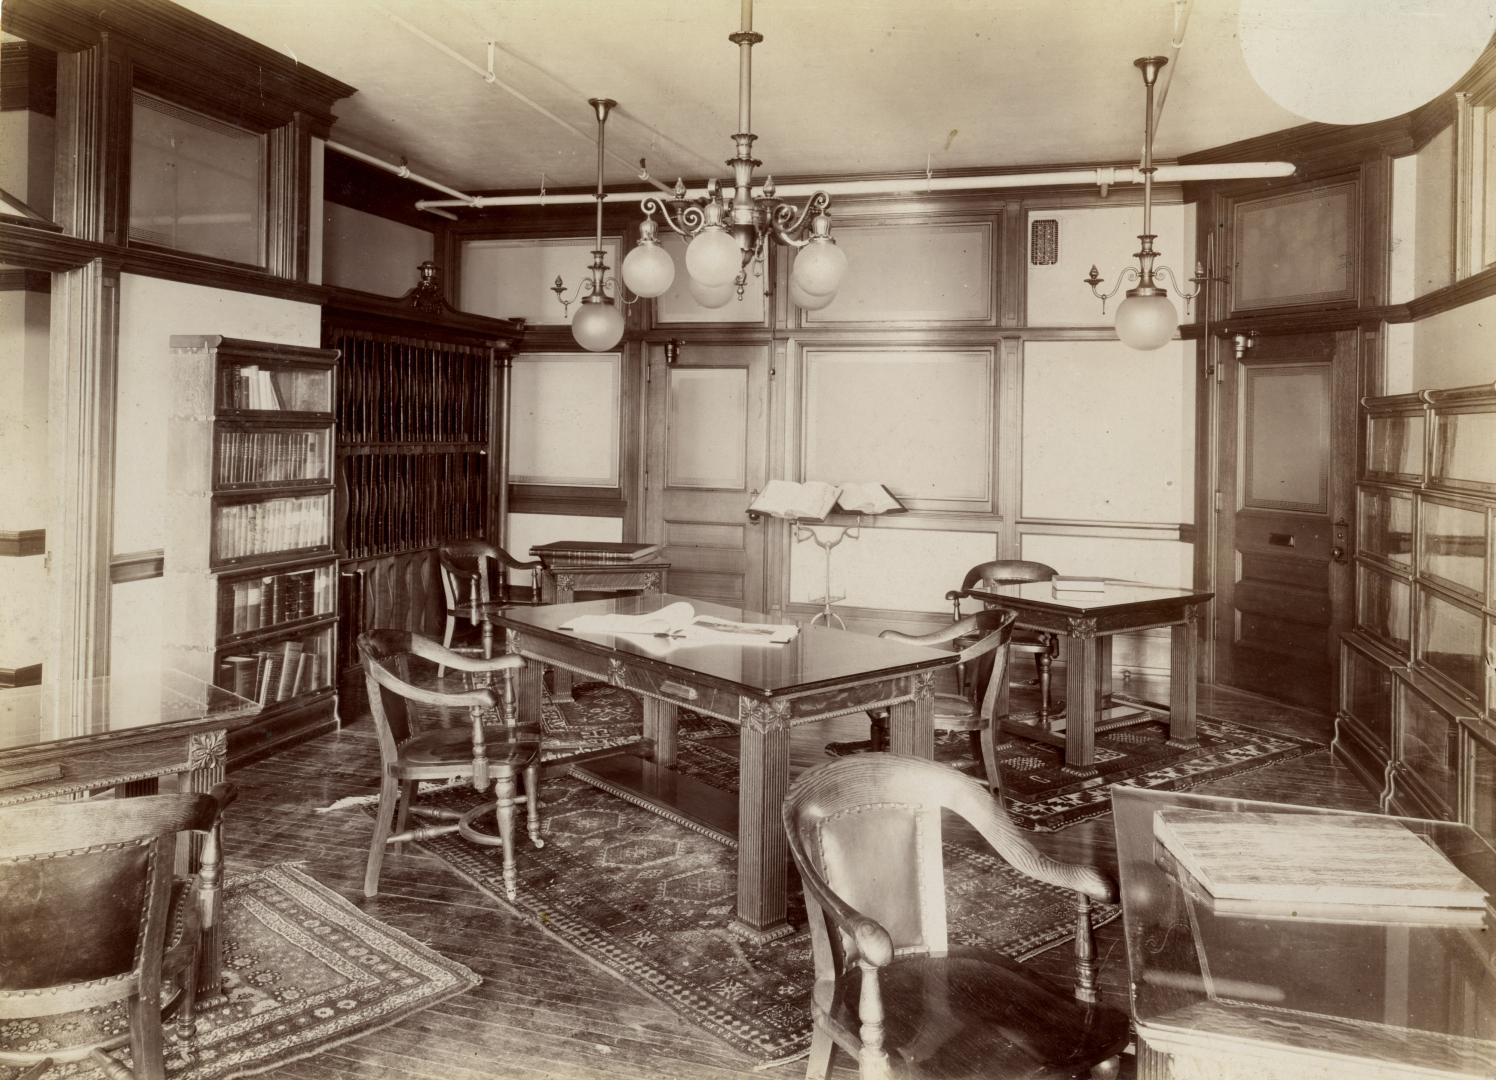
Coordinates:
[1089,621]
[762,689]
[1271,990]
[561,580]
[123,731]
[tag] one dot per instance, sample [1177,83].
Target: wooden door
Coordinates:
[706,457]
[1284,507]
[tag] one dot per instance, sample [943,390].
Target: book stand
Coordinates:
[843,532]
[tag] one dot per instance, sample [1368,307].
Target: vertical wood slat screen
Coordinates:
[414,433]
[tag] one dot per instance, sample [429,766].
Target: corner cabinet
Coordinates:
[422,455]
[250,571]
[1417,707]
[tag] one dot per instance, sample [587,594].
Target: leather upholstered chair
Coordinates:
[475,583]
[891,989]
[1044,647]
[455,743]
[981,699]
[91,914]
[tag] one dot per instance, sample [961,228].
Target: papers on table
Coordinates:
[679,623]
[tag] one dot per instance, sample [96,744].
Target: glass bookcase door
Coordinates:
[1463,458]
[275,670]
[252,528]
[266,457]
[251,603]
[1453,544]
[1449,642]
[1481,764]
[1428,746]
[1386,525]
[1395,446]
[1384,607]
[261,387]
[1367,695]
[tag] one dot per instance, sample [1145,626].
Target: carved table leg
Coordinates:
[763,778]
[207,754]
[661,720]
[1184,640]
[911,723]
[1081,699]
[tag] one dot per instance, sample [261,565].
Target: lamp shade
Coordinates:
[1147,321]
[819,267]
[713,257]
[648,270]
[712,296]
[1312,58]
[808,301]
[597,326]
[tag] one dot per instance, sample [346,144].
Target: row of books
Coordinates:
[592,552]
[260,457]
[261,528]
[408,391]
[250,386]
[277,673]
[401,502]
[276,598]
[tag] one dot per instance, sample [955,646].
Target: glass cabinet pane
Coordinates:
[1453,545]
[1449,641]
[251,603]
[244,530]
[272,456]
[278,670]
[1368,694]
[1394,445]
[1386,525]
[1428,745]
[1482,815]
[262,387]
[1463,457]
[1383,607]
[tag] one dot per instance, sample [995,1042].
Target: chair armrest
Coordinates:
[506,559]
[874,945]
[431,650]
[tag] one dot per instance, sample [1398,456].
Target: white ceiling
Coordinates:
[839,86]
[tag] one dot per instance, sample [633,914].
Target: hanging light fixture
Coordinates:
[598,322]
[730,236]
[1146,318]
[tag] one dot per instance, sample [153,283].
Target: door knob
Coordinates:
[1342,528]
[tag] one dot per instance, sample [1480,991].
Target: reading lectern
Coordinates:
[809,503]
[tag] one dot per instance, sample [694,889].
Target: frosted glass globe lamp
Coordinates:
[598,324]
[648,270]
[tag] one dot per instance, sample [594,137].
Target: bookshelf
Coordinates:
[1416,716]
[421,457]
[250,568]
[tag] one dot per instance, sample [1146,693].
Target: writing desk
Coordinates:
[123,731]
[764,690]
[1278,996]
[1089,621]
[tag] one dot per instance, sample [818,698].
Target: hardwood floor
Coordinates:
[544,1012]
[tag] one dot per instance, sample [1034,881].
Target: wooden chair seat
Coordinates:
[979,1014]
[436,750]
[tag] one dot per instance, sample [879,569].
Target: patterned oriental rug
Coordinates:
[304,971]
[1040,796]
[649,900]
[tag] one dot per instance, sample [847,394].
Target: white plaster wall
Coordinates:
[371,253]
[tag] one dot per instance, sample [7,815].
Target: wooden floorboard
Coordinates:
[542,1012]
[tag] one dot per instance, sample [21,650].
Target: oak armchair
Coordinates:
[91,914]
[475,583]
[1044,647]
[891,989]
[460,745]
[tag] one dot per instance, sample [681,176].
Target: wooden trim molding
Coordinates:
[530,499]
[27,675]
[23,542]
[28,78]
[1477,286]
[35,281]
[136,566]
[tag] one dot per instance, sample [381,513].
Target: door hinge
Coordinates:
[772,373]
[1220,503]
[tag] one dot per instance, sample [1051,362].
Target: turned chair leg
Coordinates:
[1044,662]
[532,802]
[186,1020]
[503,788]
[402,812]
[384,814]
[877,731]
[818,1064]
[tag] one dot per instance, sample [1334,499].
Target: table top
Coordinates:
[1117,596]
[55,713]
[1392,987]
[818,656]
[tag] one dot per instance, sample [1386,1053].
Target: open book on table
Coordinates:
[812,500]
[680,623]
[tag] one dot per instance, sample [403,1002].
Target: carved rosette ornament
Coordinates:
[764,717]
[1082,627]
[651,581]
[616,673]
[566,583]
[924,685]
[1192,613]
[207,750]
[511,643]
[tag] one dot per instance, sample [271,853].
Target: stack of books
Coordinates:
[1076,588]
[592,552]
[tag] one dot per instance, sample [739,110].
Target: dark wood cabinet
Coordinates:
[422,449]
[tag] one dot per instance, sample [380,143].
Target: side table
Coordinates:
[560,581]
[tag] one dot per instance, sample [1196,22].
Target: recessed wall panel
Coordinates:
[898,569]
[707,432]
[913,272]
[510,279]
[563,416]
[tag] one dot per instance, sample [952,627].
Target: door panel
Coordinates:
[706,457]
[1282,573]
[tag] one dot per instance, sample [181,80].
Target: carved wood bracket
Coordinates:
[764,717]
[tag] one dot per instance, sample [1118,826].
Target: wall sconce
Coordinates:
[1146,318]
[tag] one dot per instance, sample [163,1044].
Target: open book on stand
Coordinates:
[679,623]
[813,500]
